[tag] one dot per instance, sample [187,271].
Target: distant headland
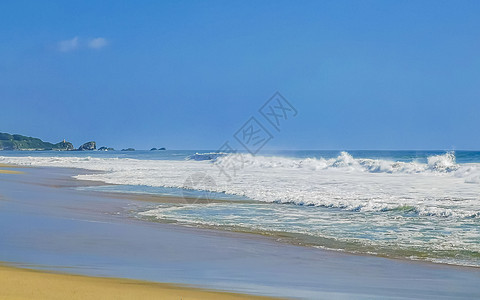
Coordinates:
[26,143]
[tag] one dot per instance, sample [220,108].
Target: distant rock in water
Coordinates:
[88,146]
[128,149]
[155,149]
[105,149]
[63,146]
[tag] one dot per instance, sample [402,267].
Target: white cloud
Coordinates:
[68,45]
[97,43]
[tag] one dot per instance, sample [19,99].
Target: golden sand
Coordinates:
[18,283]
[8,171]
[7,166]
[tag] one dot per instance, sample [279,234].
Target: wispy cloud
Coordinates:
[77,43]
[97,43]
[68,45]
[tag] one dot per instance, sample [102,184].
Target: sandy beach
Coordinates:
[48,224]
[3,171]
[31,284]
[240,150]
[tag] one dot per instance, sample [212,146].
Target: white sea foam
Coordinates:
[378,206]
[206,156]
[440,187]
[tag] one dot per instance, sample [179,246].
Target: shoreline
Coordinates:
[5,166]
[84,232]
[295,239]
[27,283]
[280,237]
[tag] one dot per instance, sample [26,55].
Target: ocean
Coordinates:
[418,205]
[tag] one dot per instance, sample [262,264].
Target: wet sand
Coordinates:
[46,224]
[19,283]
[3,171]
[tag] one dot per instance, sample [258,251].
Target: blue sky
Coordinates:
[188,74]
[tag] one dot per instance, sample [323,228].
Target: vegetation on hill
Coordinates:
[21,142]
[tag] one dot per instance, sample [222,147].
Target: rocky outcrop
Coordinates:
[21,142]
[105,149]
[88,146]
[63,146]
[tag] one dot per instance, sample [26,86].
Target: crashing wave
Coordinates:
[439,163]
[443,163]
[206,156]
[343,182]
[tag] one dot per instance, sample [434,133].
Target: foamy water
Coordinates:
[427,208]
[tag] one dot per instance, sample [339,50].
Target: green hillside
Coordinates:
[21,142]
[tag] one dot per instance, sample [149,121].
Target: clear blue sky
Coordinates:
[188,74]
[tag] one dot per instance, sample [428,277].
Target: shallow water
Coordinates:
[409,204]
[46,224]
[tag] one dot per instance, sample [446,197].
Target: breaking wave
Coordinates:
[429,206]
[206,156]
[436,187]
[436,163]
